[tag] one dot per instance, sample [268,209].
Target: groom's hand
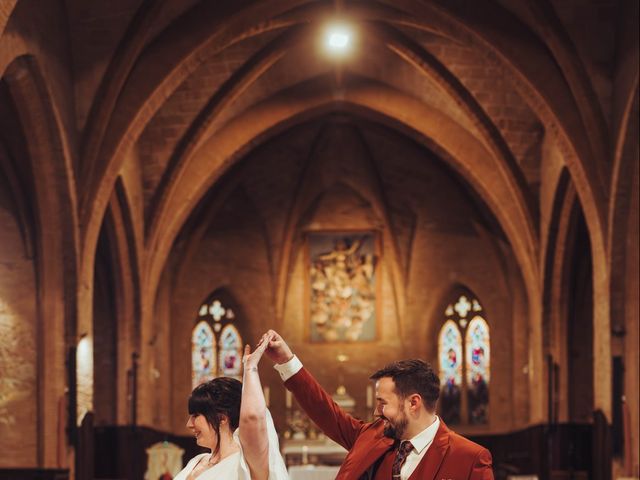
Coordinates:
[278,350]
[251,360]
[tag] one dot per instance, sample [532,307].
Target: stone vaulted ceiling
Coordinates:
[121,120]
[167,95]
[188,88]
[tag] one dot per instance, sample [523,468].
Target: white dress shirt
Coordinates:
[288,369]
[421,442]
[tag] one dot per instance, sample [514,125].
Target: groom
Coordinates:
[407,441]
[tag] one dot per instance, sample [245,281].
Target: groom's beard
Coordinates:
[396,427]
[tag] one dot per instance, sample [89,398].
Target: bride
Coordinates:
[231,420]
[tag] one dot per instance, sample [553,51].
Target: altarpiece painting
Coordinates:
[342,286]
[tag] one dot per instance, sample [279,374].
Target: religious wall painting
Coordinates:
[342,286]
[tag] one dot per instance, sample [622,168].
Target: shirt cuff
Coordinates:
[289,369]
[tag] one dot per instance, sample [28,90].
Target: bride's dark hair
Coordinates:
[217,398]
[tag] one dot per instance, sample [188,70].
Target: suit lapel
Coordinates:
[432,460]
[361,460]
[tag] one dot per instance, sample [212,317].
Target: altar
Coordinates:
[307,451]
[313,472]
[320,451]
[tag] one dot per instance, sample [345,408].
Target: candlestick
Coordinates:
[369,396]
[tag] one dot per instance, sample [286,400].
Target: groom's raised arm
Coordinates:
[314,400]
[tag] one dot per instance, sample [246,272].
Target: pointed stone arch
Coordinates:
[56,246]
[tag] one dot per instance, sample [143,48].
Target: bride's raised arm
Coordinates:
[253,421]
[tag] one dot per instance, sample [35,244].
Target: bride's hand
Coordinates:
[251,360]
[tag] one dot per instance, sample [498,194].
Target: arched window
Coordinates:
[450,360]
[203,354]
[478,369]
[216,343]
[230,352]
[464,369]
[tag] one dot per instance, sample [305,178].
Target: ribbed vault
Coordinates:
[140,118]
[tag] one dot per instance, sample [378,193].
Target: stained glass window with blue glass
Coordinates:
[230,352]
[203,354]
[450,363]
[478,368]
[464,367]
[216,342]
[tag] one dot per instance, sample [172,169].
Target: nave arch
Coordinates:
[539,92]
[224,148]
[74,212]
[51,188]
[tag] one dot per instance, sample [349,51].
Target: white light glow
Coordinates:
[338,39]
[84,366]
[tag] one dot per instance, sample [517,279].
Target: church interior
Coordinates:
[375,180]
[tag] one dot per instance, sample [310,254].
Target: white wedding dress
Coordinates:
[234,467]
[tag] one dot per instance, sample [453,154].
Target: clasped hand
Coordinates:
[251,360]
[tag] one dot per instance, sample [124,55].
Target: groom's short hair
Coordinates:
[412,376]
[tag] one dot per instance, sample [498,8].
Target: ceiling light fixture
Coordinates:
[338,39]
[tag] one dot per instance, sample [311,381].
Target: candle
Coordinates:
[287,398]
[265,392]
[369,396]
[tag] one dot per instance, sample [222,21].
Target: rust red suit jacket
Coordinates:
[450,456]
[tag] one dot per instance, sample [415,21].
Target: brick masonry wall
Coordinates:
[18,352]
[449,243]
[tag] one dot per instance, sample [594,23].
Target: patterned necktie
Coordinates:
[401,455]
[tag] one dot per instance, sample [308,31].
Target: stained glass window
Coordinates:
[450,362]
[216,342]
[203,355]
[230,352]
[478,369]
[464,368]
